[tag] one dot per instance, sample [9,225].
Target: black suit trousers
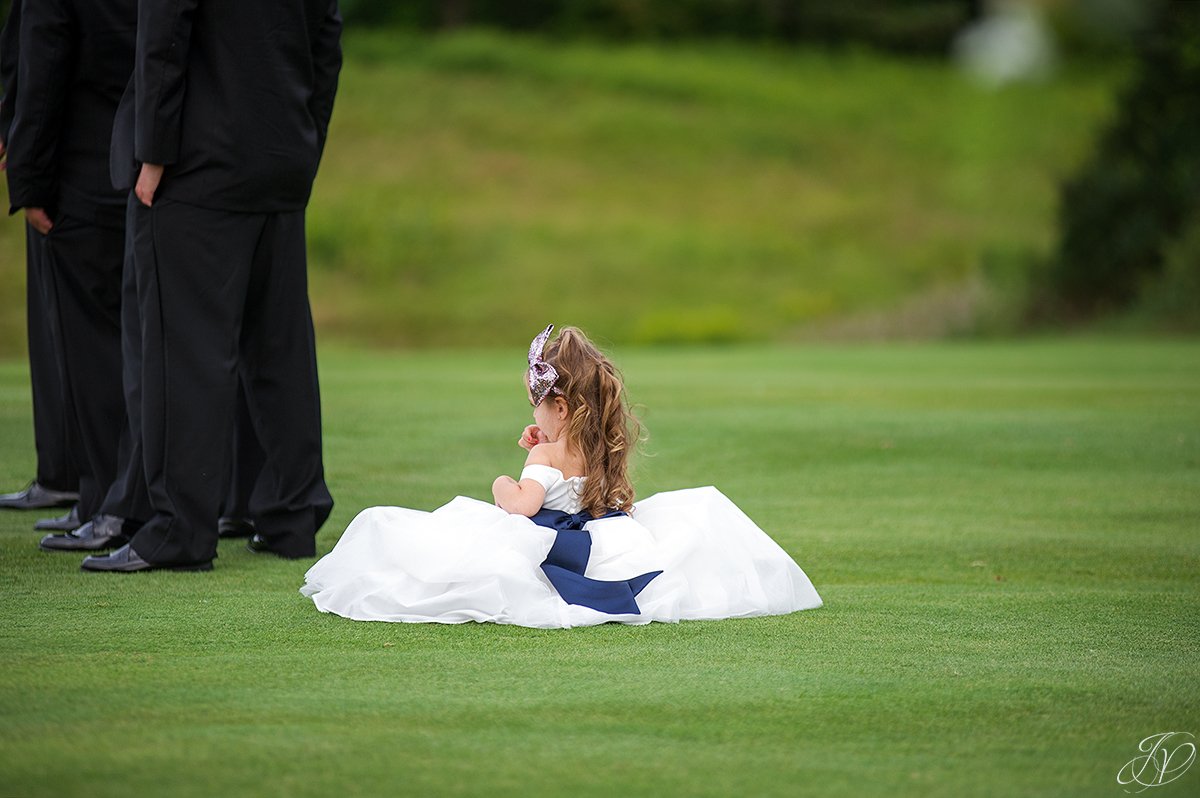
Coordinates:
[224,296]
[83,261]
[55,464]
[248,460]
[128,497]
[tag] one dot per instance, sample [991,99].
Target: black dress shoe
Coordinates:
[102,532]
[261,545]
[64,523]
[235,528]
[125,560]
[36,497]
[258,544]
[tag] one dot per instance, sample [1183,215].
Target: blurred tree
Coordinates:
[1140,192]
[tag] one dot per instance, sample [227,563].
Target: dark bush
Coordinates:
[1122,212]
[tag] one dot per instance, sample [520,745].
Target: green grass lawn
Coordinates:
[1006,537]
[713,192]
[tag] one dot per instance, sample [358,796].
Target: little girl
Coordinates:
[564,545]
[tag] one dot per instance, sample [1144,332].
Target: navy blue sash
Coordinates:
[568,558]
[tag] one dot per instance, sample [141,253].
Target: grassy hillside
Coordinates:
[1006,537]
[665,193]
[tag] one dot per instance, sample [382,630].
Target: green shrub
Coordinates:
[1133,199]
[1171,301]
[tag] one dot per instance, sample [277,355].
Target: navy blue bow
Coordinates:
[568,558]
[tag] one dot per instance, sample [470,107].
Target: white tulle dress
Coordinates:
[471,561]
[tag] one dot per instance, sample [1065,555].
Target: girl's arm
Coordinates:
[524,497]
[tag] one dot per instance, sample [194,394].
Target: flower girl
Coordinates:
[564,545]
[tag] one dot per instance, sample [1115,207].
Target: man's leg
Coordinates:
[128,497]
[247,464]
[84,265]
[126,506]
[56,480]
[279,370]
[55,468]
[192,267]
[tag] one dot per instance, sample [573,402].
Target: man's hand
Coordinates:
[39,219]
[147,183]
[3,152]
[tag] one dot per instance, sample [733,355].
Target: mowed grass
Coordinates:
[711,192]
[1006,537]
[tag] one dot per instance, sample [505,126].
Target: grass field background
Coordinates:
[712,192]
[1006,537]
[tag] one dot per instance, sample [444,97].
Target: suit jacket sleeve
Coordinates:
[44,66]
[9,52]
[327,63]
[160,72]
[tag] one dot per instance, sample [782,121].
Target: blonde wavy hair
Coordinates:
[600,426]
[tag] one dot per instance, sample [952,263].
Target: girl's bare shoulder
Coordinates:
[558,456]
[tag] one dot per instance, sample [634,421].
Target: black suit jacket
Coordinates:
[74,59]
[234,97]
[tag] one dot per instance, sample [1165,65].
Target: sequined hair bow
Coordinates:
[542,375]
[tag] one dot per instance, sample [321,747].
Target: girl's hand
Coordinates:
[531,437]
